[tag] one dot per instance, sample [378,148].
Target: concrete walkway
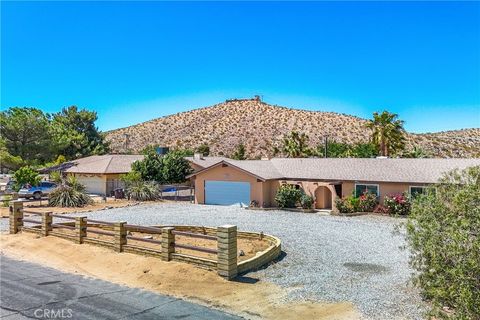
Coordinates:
[31,291]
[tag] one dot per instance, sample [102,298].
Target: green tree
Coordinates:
[204,149]
[25,135]
[364,150]
[150,167]
[345,150]
[295,145]
[443,231]
[25,175]
[239,153]
[75,134]
[7,160]
[387,132]
[175,167]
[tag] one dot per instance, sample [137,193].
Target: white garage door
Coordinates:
[93,184]
[227,192]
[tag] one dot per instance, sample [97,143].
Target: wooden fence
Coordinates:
[118,236]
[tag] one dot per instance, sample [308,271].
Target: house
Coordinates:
[244,181]
[101,174]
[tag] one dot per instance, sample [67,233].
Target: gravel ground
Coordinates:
[327,258]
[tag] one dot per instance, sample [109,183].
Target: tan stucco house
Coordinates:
[243,181]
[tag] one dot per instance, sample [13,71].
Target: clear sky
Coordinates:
[134,61]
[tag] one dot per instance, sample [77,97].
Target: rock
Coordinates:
[148,237]
[241,253]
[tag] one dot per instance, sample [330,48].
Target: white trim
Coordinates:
[410,188]
[367,184]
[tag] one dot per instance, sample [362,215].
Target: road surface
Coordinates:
[31,291]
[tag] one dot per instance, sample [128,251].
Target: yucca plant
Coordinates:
[70,193]
[141,191]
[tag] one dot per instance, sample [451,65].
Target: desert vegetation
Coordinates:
[260,127]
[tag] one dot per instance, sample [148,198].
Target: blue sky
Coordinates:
[132,62]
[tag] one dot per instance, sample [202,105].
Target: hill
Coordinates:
[261,126]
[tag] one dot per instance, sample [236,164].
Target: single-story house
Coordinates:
[101,174]
[245,181]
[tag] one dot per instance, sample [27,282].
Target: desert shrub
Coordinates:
[306,201]
[141,190]
[67,196]
[55,176]
[443,234]
[6,200]
[367,202]
[70,193]
[25,175]
[288,196]
[397,204]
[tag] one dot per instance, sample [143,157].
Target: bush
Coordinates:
[67,196]
[141,191]
[345,205]
[443,233]
[367,202]
[25,175]
[70,193]
[288,196]
[306,201]
[398,204]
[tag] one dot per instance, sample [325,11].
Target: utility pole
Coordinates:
[325,147]
[126,141]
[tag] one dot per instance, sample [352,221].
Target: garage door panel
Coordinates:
[227,192]
[93,184]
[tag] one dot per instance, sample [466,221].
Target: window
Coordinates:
[416,190]
[370,188]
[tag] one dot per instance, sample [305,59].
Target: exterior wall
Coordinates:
[385,188]
[227,174]
[113,182]
[94,183]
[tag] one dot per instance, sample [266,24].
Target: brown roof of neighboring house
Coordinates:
[351,169]
[110,163]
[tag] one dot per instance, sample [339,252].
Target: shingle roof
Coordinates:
[205,162]
[110,163]
[353,169]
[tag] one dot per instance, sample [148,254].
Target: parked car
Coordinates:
[36,192]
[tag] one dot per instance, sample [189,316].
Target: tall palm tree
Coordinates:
[295,145]
[387,132]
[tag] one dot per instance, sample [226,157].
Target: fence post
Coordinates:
[16,216]
[46,223]
[120,235]
[168,243]
[227,251]
[80,228]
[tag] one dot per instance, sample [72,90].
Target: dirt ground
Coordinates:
[246,296]
[42,206]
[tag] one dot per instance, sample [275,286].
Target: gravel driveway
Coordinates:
[328,258]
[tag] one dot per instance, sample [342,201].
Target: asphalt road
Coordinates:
[31,291]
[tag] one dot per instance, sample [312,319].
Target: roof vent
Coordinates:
[198,156]
[265,158]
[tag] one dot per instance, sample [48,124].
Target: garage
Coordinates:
[93,183]
[227,192]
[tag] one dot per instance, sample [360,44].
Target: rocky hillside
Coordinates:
[261,126]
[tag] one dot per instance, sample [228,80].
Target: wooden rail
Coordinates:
[226,238]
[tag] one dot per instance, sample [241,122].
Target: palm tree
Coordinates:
[295,145]
[387,132]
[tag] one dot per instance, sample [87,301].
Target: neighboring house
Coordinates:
[101,174]
[243,181]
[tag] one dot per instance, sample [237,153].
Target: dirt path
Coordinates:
[246,297]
